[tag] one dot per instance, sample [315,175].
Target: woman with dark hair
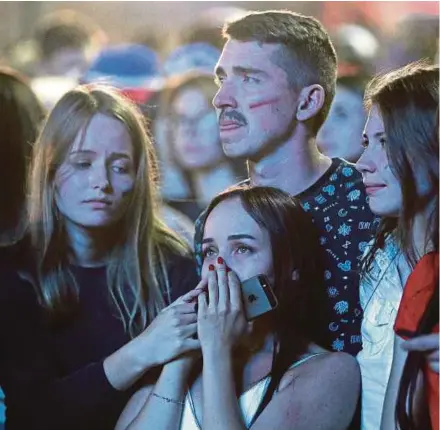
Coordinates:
[269,373]
[20,119]
[400,168]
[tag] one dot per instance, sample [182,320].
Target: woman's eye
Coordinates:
[242,249]
[208,252]
[120,169]
[82,164]
[382,141]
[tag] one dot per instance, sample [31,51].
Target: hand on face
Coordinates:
[221,320]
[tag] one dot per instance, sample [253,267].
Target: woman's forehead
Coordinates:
[228,218]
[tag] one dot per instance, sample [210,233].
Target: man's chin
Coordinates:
[234,148]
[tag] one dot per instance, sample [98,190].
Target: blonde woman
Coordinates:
[84,302]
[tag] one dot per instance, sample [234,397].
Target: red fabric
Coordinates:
[418,291]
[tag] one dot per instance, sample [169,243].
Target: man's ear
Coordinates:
[310,102]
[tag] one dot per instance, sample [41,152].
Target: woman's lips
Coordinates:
[372,189]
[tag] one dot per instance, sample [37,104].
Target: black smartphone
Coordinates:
[258,297]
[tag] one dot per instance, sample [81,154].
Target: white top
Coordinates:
[380,294]
[248,401]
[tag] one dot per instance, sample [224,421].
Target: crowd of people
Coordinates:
[141,196]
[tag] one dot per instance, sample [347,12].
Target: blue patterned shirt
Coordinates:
[338,205]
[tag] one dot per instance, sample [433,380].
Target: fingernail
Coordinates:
[220,260]
[211,267]
[228,269]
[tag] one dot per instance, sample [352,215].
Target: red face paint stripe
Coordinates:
[263,103]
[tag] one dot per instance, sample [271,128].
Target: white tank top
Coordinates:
[248,401]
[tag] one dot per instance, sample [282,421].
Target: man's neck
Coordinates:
[293,167]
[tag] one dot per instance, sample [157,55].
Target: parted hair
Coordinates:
[295,246]
[136,268]
[311,57]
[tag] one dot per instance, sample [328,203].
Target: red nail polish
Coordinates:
[220,260]
[228,269]
[211,267]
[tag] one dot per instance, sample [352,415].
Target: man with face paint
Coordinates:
[277,78]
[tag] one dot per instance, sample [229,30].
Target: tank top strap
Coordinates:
[306,358]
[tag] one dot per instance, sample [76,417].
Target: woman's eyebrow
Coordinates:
[241,236]
[231,237]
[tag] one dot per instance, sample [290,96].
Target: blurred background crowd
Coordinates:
[162,55]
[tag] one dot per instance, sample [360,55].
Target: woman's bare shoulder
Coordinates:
[325,367]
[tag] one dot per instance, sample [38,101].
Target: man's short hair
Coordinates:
[311,55]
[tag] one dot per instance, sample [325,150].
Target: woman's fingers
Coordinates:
[182,308]
[190,344]
[427,342]
[212,288]
[429,345]
[189,329]
[222,282]
[191,295]
[202,285]
[235,291]
[433,361]
[185,319]
[202,305]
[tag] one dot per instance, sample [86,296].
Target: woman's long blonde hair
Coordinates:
[136,268]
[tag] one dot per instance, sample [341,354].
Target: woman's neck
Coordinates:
[208,183]
[88,248]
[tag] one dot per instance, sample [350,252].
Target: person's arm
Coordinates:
[35,393]
[429,345]
[323,396]
[168,336]
[161,410]
[159,406]
[220,404]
